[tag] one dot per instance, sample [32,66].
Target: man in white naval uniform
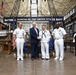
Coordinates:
[44,35]
[19,39]
[59,34]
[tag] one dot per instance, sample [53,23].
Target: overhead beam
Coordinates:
[72,5]
[62,3]
[52,9]
[15,9]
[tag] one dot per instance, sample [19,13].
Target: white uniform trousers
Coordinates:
[19,44]
[45,50]
[59,48]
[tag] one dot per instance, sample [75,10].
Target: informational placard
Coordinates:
[10,19]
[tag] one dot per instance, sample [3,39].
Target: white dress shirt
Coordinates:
[36,30]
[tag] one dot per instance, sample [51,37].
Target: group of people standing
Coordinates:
[36,36]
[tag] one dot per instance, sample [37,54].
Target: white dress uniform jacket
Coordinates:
[19,33]
[59,33]
[44,36]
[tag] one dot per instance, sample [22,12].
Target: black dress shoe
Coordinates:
[47,58]
[43,58]
[37,58]
[32,59]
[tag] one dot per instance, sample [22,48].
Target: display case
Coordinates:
[5,37]
[5,41]
[70,30]
[70,22]
[70,27]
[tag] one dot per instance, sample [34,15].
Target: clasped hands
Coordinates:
[38,38]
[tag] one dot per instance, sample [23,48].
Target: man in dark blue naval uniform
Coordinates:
[34,33]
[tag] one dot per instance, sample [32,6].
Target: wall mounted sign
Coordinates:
[11,19]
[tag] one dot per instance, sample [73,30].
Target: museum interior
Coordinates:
[42,12]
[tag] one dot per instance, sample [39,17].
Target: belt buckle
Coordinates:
[57,38]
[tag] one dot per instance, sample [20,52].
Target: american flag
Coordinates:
[2,5]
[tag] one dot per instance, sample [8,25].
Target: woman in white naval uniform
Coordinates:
[44,35]
[59,34]
[19,38]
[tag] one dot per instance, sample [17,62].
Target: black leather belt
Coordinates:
[20,37]
[57,38]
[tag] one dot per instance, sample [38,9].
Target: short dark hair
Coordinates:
[19,23]
[44,25]
[59,23]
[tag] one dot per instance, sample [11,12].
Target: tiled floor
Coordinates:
[10,66]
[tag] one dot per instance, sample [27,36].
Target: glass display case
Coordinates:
[5,41]
[5,37]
